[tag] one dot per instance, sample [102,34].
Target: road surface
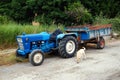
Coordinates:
[100,65]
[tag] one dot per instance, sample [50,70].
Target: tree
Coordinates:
[109,8]
[78,13]
[58,11]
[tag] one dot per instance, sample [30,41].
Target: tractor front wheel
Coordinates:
[36,57]
[68,47]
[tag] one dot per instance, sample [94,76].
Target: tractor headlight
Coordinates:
[20,43]
[19,39]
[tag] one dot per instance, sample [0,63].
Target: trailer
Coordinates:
[91,34]
[35,46]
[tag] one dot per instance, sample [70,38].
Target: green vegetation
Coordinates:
[48,11]
[78,14]
[109,8]
[114,21]
[116,24]
[8,32]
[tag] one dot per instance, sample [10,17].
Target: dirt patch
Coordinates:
[7,51]
[8,59]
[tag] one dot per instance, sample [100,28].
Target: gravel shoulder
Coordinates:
[100,65]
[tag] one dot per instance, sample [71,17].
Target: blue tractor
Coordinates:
[34,46]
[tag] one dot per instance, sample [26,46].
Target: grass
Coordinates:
[8,32]
[9,59]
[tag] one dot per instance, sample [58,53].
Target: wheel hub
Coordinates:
[37,58]
[102,43]
[70,47]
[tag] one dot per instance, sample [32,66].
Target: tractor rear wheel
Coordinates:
[101,43]
[36,57]
[68,47]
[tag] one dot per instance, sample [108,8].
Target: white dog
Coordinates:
[81,54]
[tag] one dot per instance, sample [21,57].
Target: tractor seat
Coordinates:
[54,35]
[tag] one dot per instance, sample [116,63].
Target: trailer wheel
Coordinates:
[36,57]
[101,43]
[68,47]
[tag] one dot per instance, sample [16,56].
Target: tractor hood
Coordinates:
[34,37]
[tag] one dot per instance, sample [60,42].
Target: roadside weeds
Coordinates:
[9,59]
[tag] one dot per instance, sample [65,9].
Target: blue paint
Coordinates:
[60,36]
[84,36]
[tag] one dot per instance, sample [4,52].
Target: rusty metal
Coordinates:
[91,27]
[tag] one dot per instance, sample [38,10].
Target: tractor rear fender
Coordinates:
[61,36]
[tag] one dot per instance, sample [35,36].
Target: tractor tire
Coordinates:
[101,43]
[36,57]
[68,47]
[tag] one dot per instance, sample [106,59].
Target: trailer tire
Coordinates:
[36,57]
[68,47]
[101,43]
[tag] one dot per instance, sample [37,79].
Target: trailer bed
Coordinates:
[87,32]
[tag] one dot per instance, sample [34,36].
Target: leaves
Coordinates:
[59,11]
[79,14]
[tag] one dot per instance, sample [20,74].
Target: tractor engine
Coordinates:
[28,43]
[45,46]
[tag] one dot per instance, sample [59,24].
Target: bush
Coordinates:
[101,20]
[115,24]
[4,19]
[78,14]
[114,21]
